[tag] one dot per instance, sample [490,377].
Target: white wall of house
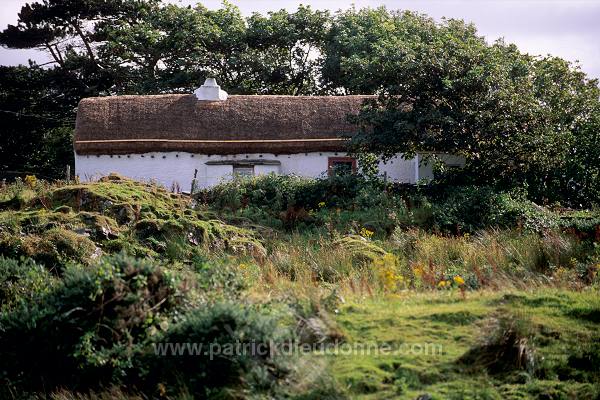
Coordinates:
[171,168]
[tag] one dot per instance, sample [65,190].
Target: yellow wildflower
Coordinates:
[321,204]
[30,180]
[459,280]
[418,270]
[366,233]
[162,389]
[442,284]
[386,269]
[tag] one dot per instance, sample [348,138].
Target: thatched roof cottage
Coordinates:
[169,138]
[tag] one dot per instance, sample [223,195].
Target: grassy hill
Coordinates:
[380,291]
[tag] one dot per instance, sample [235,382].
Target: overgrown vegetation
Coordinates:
[111,272]
[55,224]
[352,202]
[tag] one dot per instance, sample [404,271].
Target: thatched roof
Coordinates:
[240,124]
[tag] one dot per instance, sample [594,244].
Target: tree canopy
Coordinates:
[518,120]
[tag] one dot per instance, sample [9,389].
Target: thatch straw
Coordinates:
[241,124]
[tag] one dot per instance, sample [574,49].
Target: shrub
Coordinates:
[218,279]
[292,201]
[236,353]
[350,201]
[86,330]
[21,281]
[470,208]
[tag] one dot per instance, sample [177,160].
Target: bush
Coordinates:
[86,330]
[218,278]
[21,281]
[349,202]
[280,192]
[240,339]
[296,202]
[471,208]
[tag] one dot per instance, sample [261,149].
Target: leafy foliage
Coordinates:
[240,339]
[519,121]
[467,209]
[92,324]
[22,281]
[346,201]
[36,108]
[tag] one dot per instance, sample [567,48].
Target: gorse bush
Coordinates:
[104,324]
[88,328]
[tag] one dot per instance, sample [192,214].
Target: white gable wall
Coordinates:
[178,167]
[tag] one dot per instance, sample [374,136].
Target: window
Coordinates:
[341,166]
[243,170]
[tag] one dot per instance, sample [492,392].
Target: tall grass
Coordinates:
[415,259]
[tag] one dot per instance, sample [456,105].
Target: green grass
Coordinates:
[450,325]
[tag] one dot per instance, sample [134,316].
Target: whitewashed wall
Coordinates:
[171,167]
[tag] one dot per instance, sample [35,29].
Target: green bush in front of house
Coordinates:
[466,209]
[284,201]
[349,203]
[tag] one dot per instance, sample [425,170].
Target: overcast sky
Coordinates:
[566,28]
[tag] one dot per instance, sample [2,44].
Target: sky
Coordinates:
[566,28]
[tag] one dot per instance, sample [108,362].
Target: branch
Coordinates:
[62,61]
[57,59]
[85,42]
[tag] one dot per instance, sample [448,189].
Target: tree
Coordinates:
[516,119]
[287,49]
[67,31]
[573,108]
[363,47]
[34,111]
[38,105]
[159,50]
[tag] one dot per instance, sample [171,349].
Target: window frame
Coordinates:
[331,161]
[242,167]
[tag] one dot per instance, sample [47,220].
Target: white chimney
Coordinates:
[210,91]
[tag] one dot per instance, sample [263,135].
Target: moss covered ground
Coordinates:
[80,222]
